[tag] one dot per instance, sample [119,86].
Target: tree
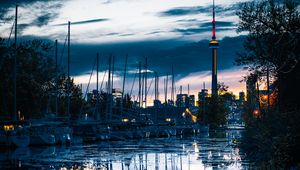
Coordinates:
[35,80]
[77,103]
[273,44]
[216,111]
[222,88]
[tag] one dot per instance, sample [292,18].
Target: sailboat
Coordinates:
[14,133]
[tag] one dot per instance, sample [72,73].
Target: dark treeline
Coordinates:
[38,85]
[36,81]
[272,136]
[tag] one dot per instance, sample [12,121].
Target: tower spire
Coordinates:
[214,22]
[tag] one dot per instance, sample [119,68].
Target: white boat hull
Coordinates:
[20,141]
[42,139]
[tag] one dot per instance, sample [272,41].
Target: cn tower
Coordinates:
[214,44]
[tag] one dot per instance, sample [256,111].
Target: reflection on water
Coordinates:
[218,150]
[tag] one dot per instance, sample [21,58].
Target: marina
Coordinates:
[216,150]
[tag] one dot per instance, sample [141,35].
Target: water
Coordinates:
[217,150]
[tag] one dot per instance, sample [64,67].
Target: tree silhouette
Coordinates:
[273,44]
[35,80]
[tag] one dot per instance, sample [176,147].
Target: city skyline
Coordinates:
[167,33]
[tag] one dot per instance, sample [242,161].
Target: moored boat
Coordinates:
[41,134]
[14,134]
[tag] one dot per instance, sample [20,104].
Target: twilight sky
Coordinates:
[168,32]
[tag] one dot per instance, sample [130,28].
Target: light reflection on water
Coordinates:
[215,151]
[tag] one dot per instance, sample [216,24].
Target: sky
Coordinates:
[168,32]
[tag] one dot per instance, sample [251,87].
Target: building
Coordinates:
[252,97]
[202,95]
[117,96]
[117,93]
[182,100]
[192,100]
[241,97]
[214,45]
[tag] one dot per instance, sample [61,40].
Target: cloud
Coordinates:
[196,27]
[154,32]
[6,5]
[184,11]
[22,27]
[113,33]
[124,35]
[194,57]
[137,51]
[31,12]
[149,21]
[84,22]
[186,57]
[44,19]
[180,11]
[219,24]
[192,31]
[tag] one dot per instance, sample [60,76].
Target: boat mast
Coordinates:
[156,94]
[123,87]
[69,80]
[140,74]
[204,95]
[142,85]
[172,92]
[111,89]
[165,90]
[112,73]
[166,95]
[108,87]
[15,67]
[146,67]
[56,80]
[156,86]
[97,89]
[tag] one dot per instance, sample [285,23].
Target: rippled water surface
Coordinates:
[216,150]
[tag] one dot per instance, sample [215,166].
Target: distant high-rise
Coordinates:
[242,96]
[192,100]
[214,44]
[252,93]
[182,100]
[202,95]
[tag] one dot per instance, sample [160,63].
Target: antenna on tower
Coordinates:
[214,22]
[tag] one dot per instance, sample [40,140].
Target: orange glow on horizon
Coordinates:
[231,78]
